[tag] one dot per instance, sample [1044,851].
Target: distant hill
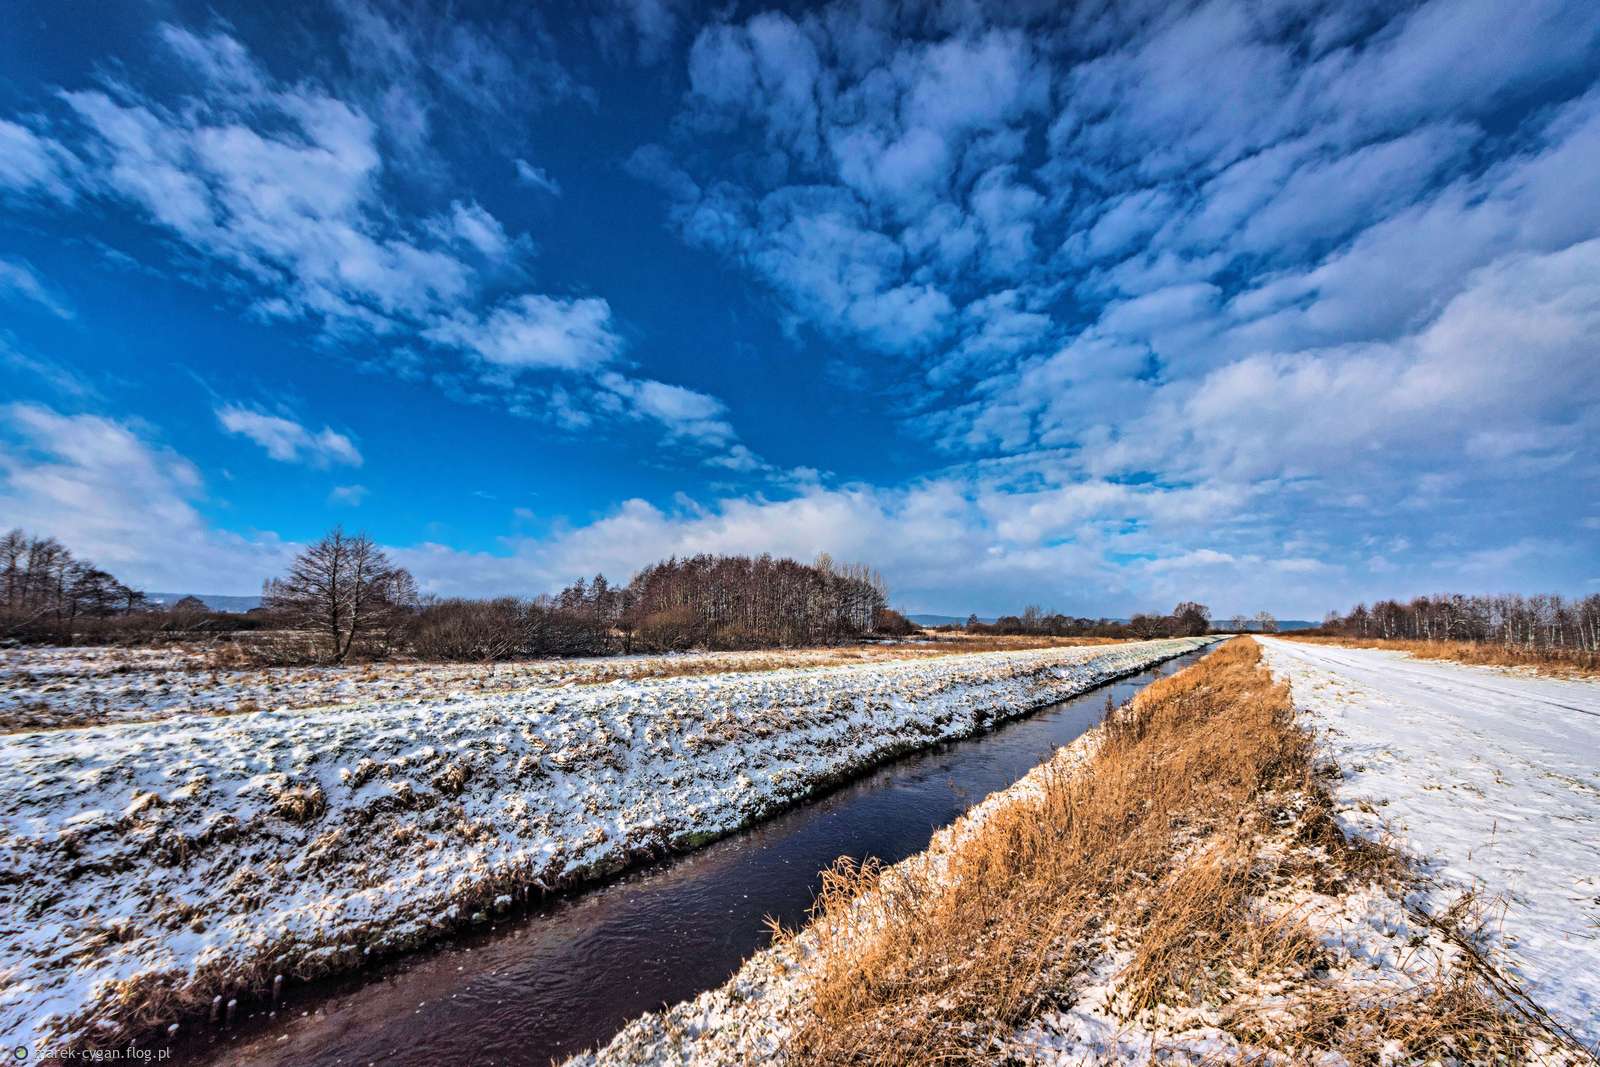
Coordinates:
[214,601]
[942,620]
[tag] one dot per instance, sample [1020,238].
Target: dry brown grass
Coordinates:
[1559,663]
[1156,842]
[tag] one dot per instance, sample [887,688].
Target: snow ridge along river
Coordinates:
[1490,777]
[172,861]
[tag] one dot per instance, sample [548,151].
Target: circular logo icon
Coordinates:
[20,1053]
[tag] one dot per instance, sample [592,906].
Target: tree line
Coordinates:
[347,592]
[343,597]
[1188,619]
[1542,622]
[45,590]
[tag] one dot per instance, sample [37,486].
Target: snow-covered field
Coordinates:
[1492,779]
[158,863]
[44,687]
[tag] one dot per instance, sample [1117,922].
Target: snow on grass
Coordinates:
[50,687]
[147,866]
[1491,778]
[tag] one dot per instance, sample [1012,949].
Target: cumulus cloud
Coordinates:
[987,539]
[684,412]
[1512,352]
[124,502]
[536,331]
[892,181]
[288,441]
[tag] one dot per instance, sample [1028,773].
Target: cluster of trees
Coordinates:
[350,596]
[46,591]
[1535,622]
[745,602]
[724,602]
[1187,619]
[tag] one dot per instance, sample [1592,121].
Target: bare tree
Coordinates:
[1147,626]
[1191,619]
[1239,624]
[1266,623]
[340,588]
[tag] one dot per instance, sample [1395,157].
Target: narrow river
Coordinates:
[550,982]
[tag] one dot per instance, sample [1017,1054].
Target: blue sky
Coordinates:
[1277,305]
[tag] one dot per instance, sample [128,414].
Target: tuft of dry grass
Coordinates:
[301,803]
[1158,843]
[1556,662]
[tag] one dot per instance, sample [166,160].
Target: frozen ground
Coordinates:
[1492,778]
[45,687]
[146,866]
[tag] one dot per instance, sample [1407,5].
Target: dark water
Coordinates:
[565,977]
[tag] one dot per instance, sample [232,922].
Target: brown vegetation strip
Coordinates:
[1556,662]
[1160,842]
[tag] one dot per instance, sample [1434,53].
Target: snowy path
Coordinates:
[1493,778]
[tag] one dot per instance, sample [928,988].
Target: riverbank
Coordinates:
[158,865]
[1175,886]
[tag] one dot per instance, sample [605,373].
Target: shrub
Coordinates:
[672,630]
[459,629]
[891,623]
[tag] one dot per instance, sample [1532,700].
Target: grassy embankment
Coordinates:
[1200,805]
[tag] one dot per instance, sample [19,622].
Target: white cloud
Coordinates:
[295,209]
[683,412]
[537,177]
[472,224]
[288,441]
[31,164]
[985,540]
[348,495]
[1513,352]
[130,506]
[531,331]
[221,62]
[18,277]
